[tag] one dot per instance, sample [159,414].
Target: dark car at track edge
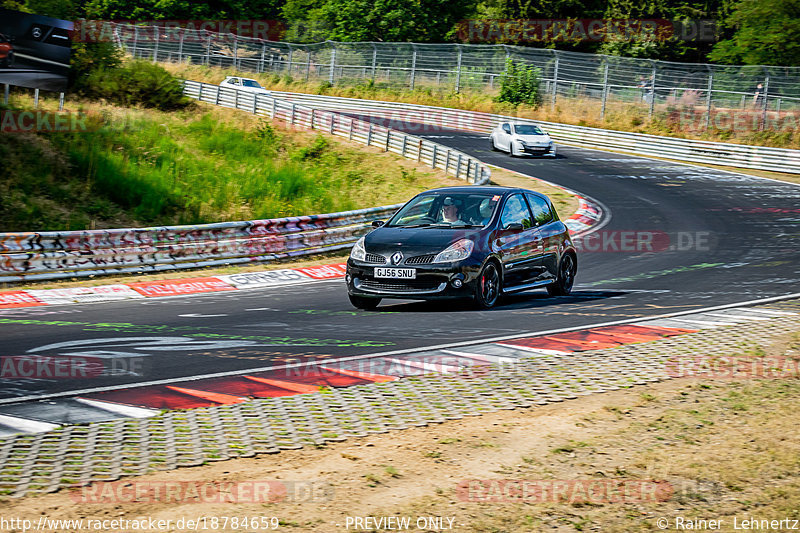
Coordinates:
[463,242]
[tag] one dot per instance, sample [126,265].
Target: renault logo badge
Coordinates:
[396,258]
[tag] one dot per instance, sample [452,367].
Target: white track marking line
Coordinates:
[120,409]
[637,320]
[26,425]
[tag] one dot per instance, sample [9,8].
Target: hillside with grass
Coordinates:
[144,167]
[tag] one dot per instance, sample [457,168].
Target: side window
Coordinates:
[507,128]
[515,212]
[541,209]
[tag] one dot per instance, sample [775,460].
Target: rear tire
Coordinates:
[488,287]
[361,302]
[566,277]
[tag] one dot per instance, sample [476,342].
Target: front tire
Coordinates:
[566,277]
[488,287]
[361,302]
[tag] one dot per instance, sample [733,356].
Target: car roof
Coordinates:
[496,189]
[521,123]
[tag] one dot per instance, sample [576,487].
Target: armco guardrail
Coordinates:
[734,155]
[68,254]
[436,155]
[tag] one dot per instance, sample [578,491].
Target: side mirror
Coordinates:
[515,226]
[377,223]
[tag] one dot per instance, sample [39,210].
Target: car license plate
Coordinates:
[395,273]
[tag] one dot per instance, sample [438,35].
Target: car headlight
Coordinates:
[358,252]
[455,252]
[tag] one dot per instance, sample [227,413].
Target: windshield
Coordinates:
[445,210]
[528,129]
[251,83]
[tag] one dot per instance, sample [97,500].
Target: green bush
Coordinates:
[519,84]
[137,83]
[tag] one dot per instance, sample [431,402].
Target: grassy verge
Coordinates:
[623,116]
[144,167]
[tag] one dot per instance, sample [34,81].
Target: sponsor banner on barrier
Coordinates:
[336,270]
[251,280]
[177,287]
[9,299]
[103,293]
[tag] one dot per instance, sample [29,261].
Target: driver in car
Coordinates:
[451,208]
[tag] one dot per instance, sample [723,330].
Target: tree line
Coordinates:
[751,32]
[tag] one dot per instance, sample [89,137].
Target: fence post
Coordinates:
[208,50]
[61,102]
[374,60]
[458,68]
[419,151]
[236,99]
[447,162]
[5,93]
[388,138]
[605,90]
[155,47]
[763,121]
[291,53]
[652,104]
[555,82]
[333,123]
[350,131]
[36,98]
[312,118]
[708,98]
[403,147]
[274,109]
[332,74]
[369,135]
[202,85]
[135,40]
[235,52]
[458,166]
[261,62]
[433,157]
[291,118]
[777,106]
[413,65]
[180,46]
[255,103]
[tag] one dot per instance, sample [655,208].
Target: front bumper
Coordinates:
[432,281]
[536,150]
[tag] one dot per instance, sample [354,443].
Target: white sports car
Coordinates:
[518,139]
[243,84]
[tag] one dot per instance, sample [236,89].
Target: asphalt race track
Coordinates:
[717,238]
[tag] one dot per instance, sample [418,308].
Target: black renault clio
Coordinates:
[463,242]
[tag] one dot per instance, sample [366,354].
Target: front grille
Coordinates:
[420,260]
[375,259]
[410,285]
